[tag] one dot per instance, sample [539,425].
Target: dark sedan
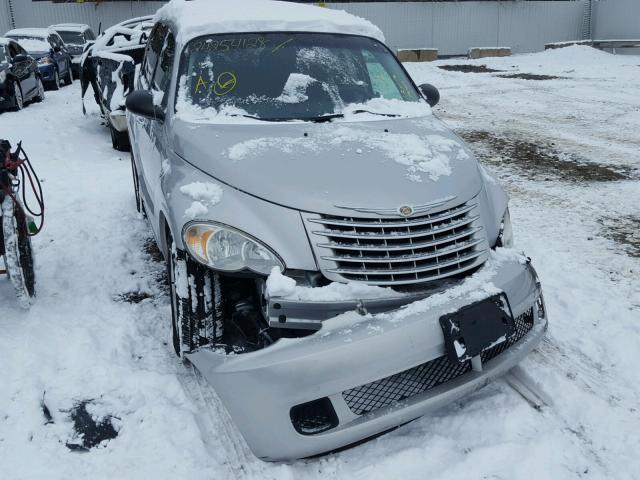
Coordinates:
[46,46]
[20,80]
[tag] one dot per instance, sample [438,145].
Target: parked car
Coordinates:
[48,49]
[20,80]
[109,66]
[76,36]
[339,262]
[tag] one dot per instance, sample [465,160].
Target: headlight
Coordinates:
[44,61]
[224,248]
[3,76]
[505,237]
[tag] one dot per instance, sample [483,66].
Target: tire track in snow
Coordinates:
[215,423]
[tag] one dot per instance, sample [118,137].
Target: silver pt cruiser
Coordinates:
[339,262]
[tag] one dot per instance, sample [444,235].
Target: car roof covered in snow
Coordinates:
[5,40]
[194,18]
[138,22]
[70,27]
[34,32]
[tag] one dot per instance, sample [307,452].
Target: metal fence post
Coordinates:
[12,18]
[587,20]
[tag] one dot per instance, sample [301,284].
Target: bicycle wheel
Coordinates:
[18,255]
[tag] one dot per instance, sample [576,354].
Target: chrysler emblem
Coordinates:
[405,211]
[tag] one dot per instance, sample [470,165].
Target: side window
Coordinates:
[154,48]
[88,35]
[52,41]
[382,83]
[163,70]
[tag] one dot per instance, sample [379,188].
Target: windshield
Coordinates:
[32,44]
[286,76]
[72,38]
[2,57]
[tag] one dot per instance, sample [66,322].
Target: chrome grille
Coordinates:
[399,251]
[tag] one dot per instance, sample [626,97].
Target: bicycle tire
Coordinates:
[18,254]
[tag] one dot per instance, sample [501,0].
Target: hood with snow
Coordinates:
[322,167]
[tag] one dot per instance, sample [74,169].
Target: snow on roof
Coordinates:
[4,40]
[70,27]
[134,21]
[33,32]
[108,39]
[201,17]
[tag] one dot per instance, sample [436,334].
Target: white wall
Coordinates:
[454,27]
[5,23]
[616,19]
[42,14]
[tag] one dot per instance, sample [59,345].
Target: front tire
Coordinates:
[136,184]
[40,95]
[120,140]
[18,254]
[68,79]
[191,286]
[18,99]
[56,80]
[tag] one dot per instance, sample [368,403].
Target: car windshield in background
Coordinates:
[285,76]
[2,57]
[72,38]
[33,44]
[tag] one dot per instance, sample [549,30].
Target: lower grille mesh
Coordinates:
[381,393]
[524,323]
[416,380]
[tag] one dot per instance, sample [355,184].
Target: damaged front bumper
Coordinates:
[363,372]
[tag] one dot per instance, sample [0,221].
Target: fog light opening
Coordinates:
[541,308]
[314,417]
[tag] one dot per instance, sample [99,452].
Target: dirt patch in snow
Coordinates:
[151,249]
[133,297]
[468,68]
[530,76]
[539,160]
[624,231]
[89,431]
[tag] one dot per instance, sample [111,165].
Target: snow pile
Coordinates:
[279,285]
[204,195]
[429,155]
[200,17]
[295,88]
[117,98]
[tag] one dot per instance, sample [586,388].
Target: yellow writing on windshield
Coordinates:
[201,83]
[224,84]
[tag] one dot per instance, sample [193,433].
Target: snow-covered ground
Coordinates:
[568,151]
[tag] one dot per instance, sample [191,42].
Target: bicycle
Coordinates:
[16,218]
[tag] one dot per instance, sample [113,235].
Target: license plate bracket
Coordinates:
[477,327]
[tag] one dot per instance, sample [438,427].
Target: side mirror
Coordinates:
[140,102]
[431,93]
[20,58]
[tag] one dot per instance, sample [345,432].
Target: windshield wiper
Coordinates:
[325,118]
[376,113]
